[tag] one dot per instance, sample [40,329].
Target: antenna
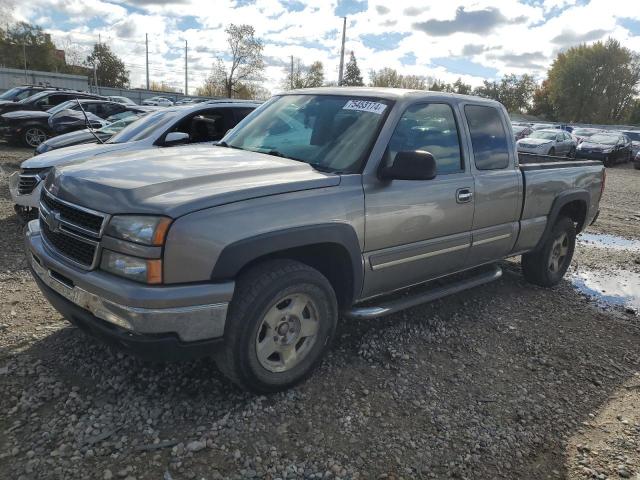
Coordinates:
[87,123]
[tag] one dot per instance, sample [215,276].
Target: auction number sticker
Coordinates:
[365,106]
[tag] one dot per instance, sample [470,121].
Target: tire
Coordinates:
[572,153]
[552,151]
[258,323]
[547,265]
[607,162]
[33,136]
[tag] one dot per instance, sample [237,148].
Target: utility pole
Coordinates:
[146,42]
[24,54]
[186,82]
[344,30]
[95,76]
[291,75]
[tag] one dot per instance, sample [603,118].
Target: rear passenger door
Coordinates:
[497,185]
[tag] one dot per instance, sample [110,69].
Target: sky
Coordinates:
[443,39]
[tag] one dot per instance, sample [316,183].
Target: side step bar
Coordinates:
[407,302]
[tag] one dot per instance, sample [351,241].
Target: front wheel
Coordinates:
[547,265]
[552,151]
[280,323]
[572,153]
[33,136]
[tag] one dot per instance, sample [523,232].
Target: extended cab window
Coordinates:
[432,128]
[489,140]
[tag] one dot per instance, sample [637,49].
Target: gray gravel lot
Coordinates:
[503,381]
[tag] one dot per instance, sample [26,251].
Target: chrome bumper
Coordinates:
[190,323]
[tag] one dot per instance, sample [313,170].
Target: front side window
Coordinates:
[488,138]
[431,128]
[330,132]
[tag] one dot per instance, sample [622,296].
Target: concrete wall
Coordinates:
[12,77]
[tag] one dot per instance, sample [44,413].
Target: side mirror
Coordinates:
[176,138]
[411,165]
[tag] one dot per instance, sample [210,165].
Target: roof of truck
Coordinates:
[386,93]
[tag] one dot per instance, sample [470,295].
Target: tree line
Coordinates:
[596,83]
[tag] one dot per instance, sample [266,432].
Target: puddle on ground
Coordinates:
[613,288]
[603,240]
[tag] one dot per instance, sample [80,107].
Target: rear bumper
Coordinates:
[186,314]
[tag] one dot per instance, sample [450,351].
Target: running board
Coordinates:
[396,305]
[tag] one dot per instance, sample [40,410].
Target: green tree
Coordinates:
[514,92]
[542,106]
[303,76]
[352,76]
[389,77]
[110,69]
[460,87]
[23,43]
[634,114]
[246,64]
[594,83]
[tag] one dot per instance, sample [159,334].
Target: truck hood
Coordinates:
[22,114]
[534,141]
[179,180]
[73,154]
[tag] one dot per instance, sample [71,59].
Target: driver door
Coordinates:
[417,230]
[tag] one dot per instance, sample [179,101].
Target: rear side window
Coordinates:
[432,128]
[489,140]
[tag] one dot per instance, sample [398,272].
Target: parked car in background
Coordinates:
[610,148]
[86,136]
[98,114]
[158,101]
[251,253]
[16,94]
[582,133]
[45,100]
[32,127]
[548,142]
[636,161]
[634,137]
[521,131]
[119,99]
[167,127]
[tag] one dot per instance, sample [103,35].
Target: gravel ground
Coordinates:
[503,381]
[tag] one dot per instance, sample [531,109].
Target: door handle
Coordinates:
[464,195]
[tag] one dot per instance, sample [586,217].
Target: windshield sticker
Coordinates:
[365,106]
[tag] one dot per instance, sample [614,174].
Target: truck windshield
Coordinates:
[330,132]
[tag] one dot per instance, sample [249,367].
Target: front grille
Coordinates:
[77,250]
[74,215]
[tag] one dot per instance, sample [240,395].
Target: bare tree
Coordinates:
[303,76]
[246,64]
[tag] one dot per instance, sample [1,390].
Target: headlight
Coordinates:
[134,268]
[143,229]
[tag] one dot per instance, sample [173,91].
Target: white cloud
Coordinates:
[513,37]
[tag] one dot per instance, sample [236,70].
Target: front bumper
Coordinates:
[31,200]
[188,314]
[592,155]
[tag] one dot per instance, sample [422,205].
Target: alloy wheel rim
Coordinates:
[559,251]
[35,137]
[287,333]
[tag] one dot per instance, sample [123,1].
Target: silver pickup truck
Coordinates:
[317,206]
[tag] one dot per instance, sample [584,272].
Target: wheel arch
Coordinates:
[574,204]
[333,249]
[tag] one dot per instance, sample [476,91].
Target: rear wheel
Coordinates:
[547,265]
[33,136]
[280,324]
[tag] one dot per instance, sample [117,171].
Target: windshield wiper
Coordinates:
[324,168]
[226,145]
